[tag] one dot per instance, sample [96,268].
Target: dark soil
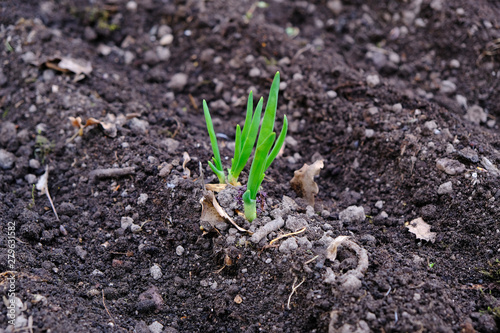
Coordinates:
[438,65]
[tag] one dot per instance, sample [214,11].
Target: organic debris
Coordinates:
[422,230]
[303,181]
[213,215]
[43,187]
[186,158]
[77,122]
[80,67]
[110,173]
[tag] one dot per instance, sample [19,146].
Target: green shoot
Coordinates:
[217,167]
[264,156]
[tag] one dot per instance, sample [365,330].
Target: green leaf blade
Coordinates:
[267,126]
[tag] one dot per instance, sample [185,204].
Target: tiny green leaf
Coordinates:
[217,167]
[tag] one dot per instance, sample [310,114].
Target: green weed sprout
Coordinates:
[217,165]
[263,158]
[244,143]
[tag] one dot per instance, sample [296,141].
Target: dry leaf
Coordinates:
[303,181]
[422,230]
[43,186]
[186,158]
[213,215]
[77,66]
[331,251]
[215,187]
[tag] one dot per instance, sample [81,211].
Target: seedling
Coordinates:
[244,143]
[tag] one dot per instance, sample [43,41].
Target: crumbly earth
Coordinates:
[398,98]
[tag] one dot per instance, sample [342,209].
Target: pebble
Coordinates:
[371,316]
[34,164]
[131,6]
[449,166]
[178,81]
[143,197]
[128,57]
[335,6]
[445,188]
[454,63]
[7,132]
[447,87]
[164,30]
[30,178]
[163,53]
[310,211]
[372,80]
[80,252]
[352,214]
[461,100]
[165,170]
[331,94]
[379,204]
[155,271]
[254,72]
[469,154]
[171,144]
[66,208]
[288,245]
[156,327]
[369,133]
[179,250]
[138,126]
[167,39]
[126,222]
[476,115]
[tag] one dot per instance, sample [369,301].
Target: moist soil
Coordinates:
[381,91]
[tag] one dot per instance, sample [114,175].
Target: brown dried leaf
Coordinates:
[76,122]
[186,158]
[92,121]
[422,230]
[213,215]
[303,181]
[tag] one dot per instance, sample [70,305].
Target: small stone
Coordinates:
[126,222]
[449,166]
[66,208]
[331,94]
[167,39]
[297,76]
[454,63]
[469,154]
[32,108]
[288,245]
[34,164]
[430,126]
[138,126]
[476,115]
[171,144]
[371,316]
[164,30]
[254,72]
[398,107]
[163,53]
[352,214]
[179,250]
[8,132]
[461,100]
[165,170]
[143,197]
[310,211]
[335,6]
[30,178]
[445,188]
[369,133]
[131,6]
[80,252]
[379,204]
[156,327]
[178,81]
[372,80]
[155,271]
[447,87]
[150,57]
[128,57]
